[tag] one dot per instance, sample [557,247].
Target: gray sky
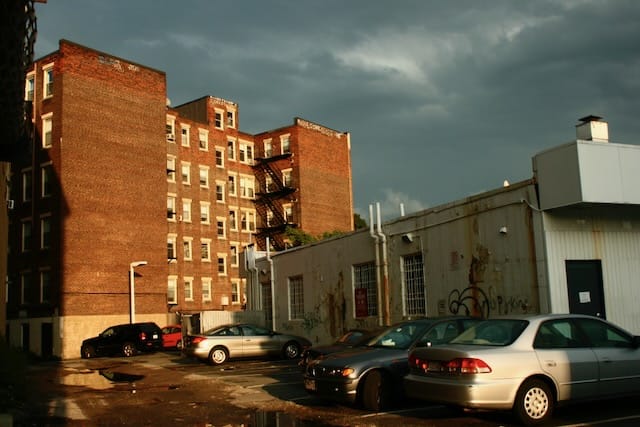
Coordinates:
[443,99]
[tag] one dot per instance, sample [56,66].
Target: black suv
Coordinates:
[127,339]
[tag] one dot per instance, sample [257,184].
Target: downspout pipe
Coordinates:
[377,251]
[385,267]
[272,279]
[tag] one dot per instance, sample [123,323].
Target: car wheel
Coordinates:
[291,350]
[218,355]
[375,393]
[87,352]
[534,403]
[128,349]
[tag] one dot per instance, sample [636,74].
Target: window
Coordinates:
[365,290]
[230,119]
[288,214]
[186,210]
[268,149]
[414,292]
[222,264]
[296,298]
[172,290]
[285,144]
[247,184]
[204,212]
[29,88]
[286,178]
[188,288]
[185,170]
[234,251]
[186,248]
[171,169]
[206,289]
[48,80]
[27,185]
[268,184]
[203,139]
[171,207]
[221,229]
[267,301]
[220,191]
[235,291]
[171,129]
[233,219]
[25,287]
[248,220]
[45,286]
[171,247]
[231,149]
[245,153]
[27,230]
[218,119]
[232,185]
[204,176]
[45,232]
[47,129]
[184,135]
[205,250]
[219,157]
[46,175]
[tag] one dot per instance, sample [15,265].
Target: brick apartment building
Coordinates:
[116,178]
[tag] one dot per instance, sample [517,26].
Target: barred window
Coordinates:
[296,298]
[414,292]
[364,281]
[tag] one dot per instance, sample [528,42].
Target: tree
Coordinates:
[359,222]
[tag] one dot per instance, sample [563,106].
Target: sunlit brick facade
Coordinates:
[117,176]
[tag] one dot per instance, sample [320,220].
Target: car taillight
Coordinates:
[143,336]
[196,340]
[416,362]
[467,365]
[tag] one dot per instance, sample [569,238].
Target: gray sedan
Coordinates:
[371,374]
[221,343]
[528,364]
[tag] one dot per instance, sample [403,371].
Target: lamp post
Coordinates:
[132,289]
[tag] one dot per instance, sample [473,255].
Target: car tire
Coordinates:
[291,350]
[87,352]
[375,393]
[534,403]
[218,355]
[128,349]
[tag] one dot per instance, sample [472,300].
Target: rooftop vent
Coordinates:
[592,128]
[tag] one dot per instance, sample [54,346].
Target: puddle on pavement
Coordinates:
[281,419]
[102,379]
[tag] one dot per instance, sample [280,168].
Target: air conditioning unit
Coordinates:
[10,204]
[171,137]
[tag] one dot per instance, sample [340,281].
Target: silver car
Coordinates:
[528,364]
[221,343]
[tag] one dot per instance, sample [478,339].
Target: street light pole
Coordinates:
[132,289]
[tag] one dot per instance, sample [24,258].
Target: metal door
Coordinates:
[585,287]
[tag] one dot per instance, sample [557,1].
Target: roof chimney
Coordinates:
[592,128]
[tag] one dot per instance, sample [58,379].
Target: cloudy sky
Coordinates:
[443,99]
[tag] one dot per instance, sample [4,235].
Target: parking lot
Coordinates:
[167,388]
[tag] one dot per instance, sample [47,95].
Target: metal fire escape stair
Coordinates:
[270,202]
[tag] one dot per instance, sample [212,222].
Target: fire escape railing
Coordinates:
[269,202]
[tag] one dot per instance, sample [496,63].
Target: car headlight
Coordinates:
[341,372]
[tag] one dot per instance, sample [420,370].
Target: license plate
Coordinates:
[310,384]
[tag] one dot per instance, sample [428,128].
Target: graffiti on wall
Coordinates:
[508,304]
[471,301]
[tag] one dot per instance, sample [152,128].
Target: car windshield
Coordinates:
[495,332]
[401,336]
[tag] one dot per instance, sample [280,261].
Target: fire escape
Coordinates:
[273,192]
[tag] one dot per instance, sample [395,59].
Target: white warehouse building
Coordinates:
[566,240]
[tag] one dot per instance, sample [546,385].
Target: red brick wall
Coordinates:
[112,161]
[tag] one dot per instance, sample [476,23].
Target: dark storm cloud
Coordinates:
[443,99]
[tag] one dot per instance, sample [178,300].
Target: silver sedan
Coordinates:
[221,343]
[528,364]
